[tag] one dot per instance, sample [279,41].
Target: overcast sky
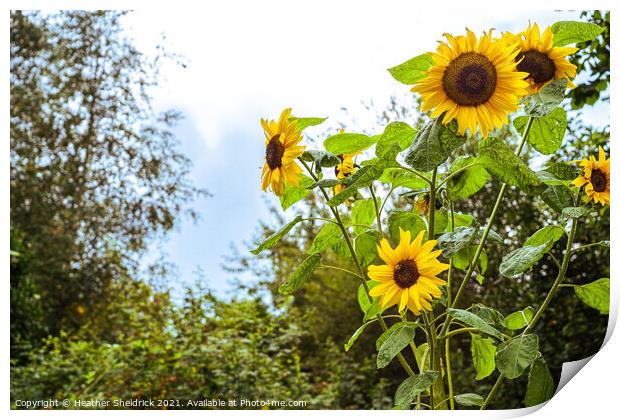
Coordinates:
[251,61]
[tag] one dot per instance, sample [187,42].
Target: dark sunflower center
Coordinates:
[540,67]
[470,79]
[406,274]
[274,152]
[599,180]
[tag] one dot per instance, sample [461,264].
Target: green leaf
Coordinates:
[469,400]
[363,299]
[365,176]
[320,158]
[548,235]
[363,213]
[557,197]
[441,221]
[398,133]
[595,294]
[468,181]
[366,246]
[516,354]
[392,341]
[452,242]
[327,237]
[405,220]
[412,387]
[412,70]
[303,123]
[460,219]
[562,171]
[483,356]
[475,321]
[433,145]
[520,319]
[275,238]
[300,275]
[356,335]
[293,194]
[575,212]
[501,162]
[489,315]
[571,32]
[325,183]
[422,356]
[540,384]
[546,100]
[546,133]
[374,310]
[401,177]
[342,143]
[520,260]
[462,258]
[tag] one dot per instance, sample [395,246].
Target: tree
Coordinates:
[95,172]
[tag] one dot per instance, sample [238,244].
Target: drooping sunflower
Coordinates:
[345,168]
[542,61]
[595,177]
[409,277]
[281,151]
[473,80]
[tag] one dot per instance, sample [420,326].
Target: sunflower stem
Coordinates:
[487,229]
[449,302]
[556,284]
[361,271]
[377,210]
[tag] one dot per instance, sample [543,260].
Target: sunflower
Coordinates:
[473,80]
[542,61]
[345,168]
[280,153]
[596,178]
[409,277]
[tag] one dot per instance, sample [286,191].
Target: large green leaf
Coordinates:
[328,236]
[341,143]
[398,133]
[540,384]
[469,400]
[595,294]
[412,70]
[412,387]
[363,299]
[356,335]
[392,341]
[433,145]
[557,197]
[468,181]
[452,242]
[463,257]
[320,158]
[547,132]
[475,321]
[575,212]
[546,100]
[520,260]
[516,354]
[366,246]
[365,176]
[293,194]
[273,239]
[520,319]
[363,213]
[570,32]
[483,356]
[489,315]
[401,177]
[548,235]
[405,220]
[300,275]
[500,161]
[305,122]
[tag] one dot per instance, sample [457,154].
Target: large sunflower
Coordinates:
[409,277]
[345,168]
[542,61]
[473,80]
[280,153]
[595,177]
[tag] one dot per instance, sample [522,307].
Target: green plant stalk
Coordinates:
[485,233]
[347,238]
[377,209]
[556,284]
[449,304]
[438,395]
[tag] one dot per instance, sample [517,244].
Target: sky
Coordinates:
[246,62]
